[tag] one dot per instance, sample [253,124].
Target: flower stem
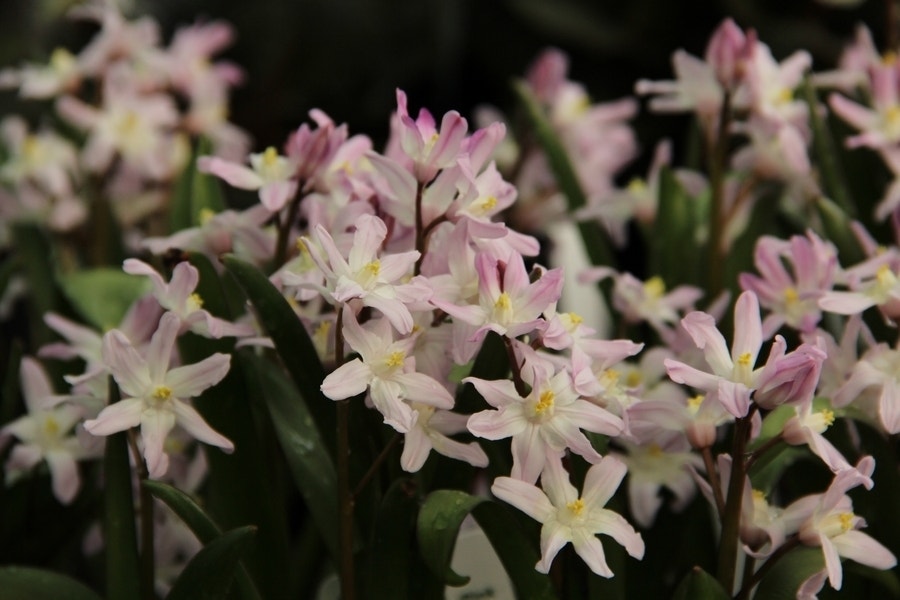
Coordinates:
[385,452]
[420,227]
[345,495]
[731,519]
[148,561]
[751,582]
[717,156]
[284,229]
[714,481]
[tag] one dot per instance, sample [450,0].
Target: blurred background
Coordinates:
[346,57]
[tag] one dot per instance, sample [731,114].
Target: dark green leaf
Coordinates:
[388,570]
[201,524]
[595,239]
[677,256]
[837,229]
[438,527]
[309,462]
[291,341]
[123,571]
[211,572]
[700,585]
[26,583]
[782,582]
[37,260]
[102,295]
[195,192]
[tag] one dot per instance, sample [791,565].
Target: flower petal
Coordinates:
[189,419]
[189,381]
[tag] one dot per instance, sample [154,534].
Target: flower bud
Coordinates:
[791,379]
[726,52]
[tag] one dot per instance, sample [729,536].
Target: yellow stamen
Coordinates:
[609,377]
[827,417]
[889,58]
[759,495]
[162,392]
[784,96]
[270,157]
[576,506]
[575,319]
[51,426]
[503,302]
[373,267]
[633,379]
[695,402]
[846,521]
[195,301]
[884,275]
[205,215]
[395,359]
[655,287]
[487,204]
[128,123]
[654,450]
[744,359]
[791,296]
[637,186]
[545,402]
[61,60]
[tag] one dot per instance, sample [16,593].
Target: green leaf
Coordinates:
[595,239]
[201,524]
[390,553]
[291,341]
[37,260]
[195,192]
[438,527]
[211,572]
[700,585]
[782,582]
[310,464]
[677,255]
[102,295]
[837,229]
[832,174]
[26,583]
[242,486]
[123,571]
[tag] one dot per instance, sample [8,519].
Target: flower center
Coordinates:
[744,359]
[195,302]
[162,392]
[576,507]
[545,402]
[791,296]
[655,287]
[51,427]
[846,520]
[637,186]
[395,359]
[486,205]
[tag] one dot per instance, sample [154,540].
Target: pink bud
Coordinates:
[726,52]
[790,379]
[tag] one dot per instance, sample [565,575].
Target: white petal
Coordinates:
[188,418]
[189,381]
[121,416]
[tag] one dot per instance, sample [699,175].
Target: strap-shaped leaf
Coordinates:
[595,239]
[390,553]
[38,266]
[211,572]
[837,229]
[310,464]
[700,585]
[676,256]
[438,527]
[117,289]
[195,192]
[201,524]
[123,571]
[27,583]
[782,582]
[291,341]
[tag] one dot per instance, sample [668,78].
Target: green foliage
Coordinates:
[700,585]
[26,583]
[677,255]
[211,572]
[117,289]
[195,192]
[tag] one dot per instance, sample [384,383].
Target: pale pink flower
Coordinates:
[430,431]
[544,423]
[386,368]
[430,149]
[771,85]
[178,297]
[45,434]
[61,74]
[879,125]
[508,302]
[827,520]
[44,158]
[155,395]
[567,516]
[369,275]
[806,427]
[873,282]
[792,296]
[874,387]
[270,173]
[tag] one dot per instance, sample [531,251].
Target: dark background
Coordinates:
[347,56]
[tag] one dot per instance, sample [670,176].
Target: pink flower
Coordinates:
[430,432]
[154,395]
[429,148]
[384,367]
[542,424]
[567,516]
[273,175]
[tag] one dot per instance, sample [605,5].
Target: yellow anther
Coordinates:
[655,287]
[889,58]
[784,96]
[885,276]
[744,359]
[51,426]
[487,204]
[162,392]
[759,496]
[827,417]
[503,302]
[654,450]
[270,157]
[633,379]
[128,122]
[575,319]
[576,506]
[395,359]
[323,329]
[637,186]
[695,402]
[846,521]
[791,296]
[61,60]
[609,377]
[373,267]
[195,301]
[545,402]
[205,215]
